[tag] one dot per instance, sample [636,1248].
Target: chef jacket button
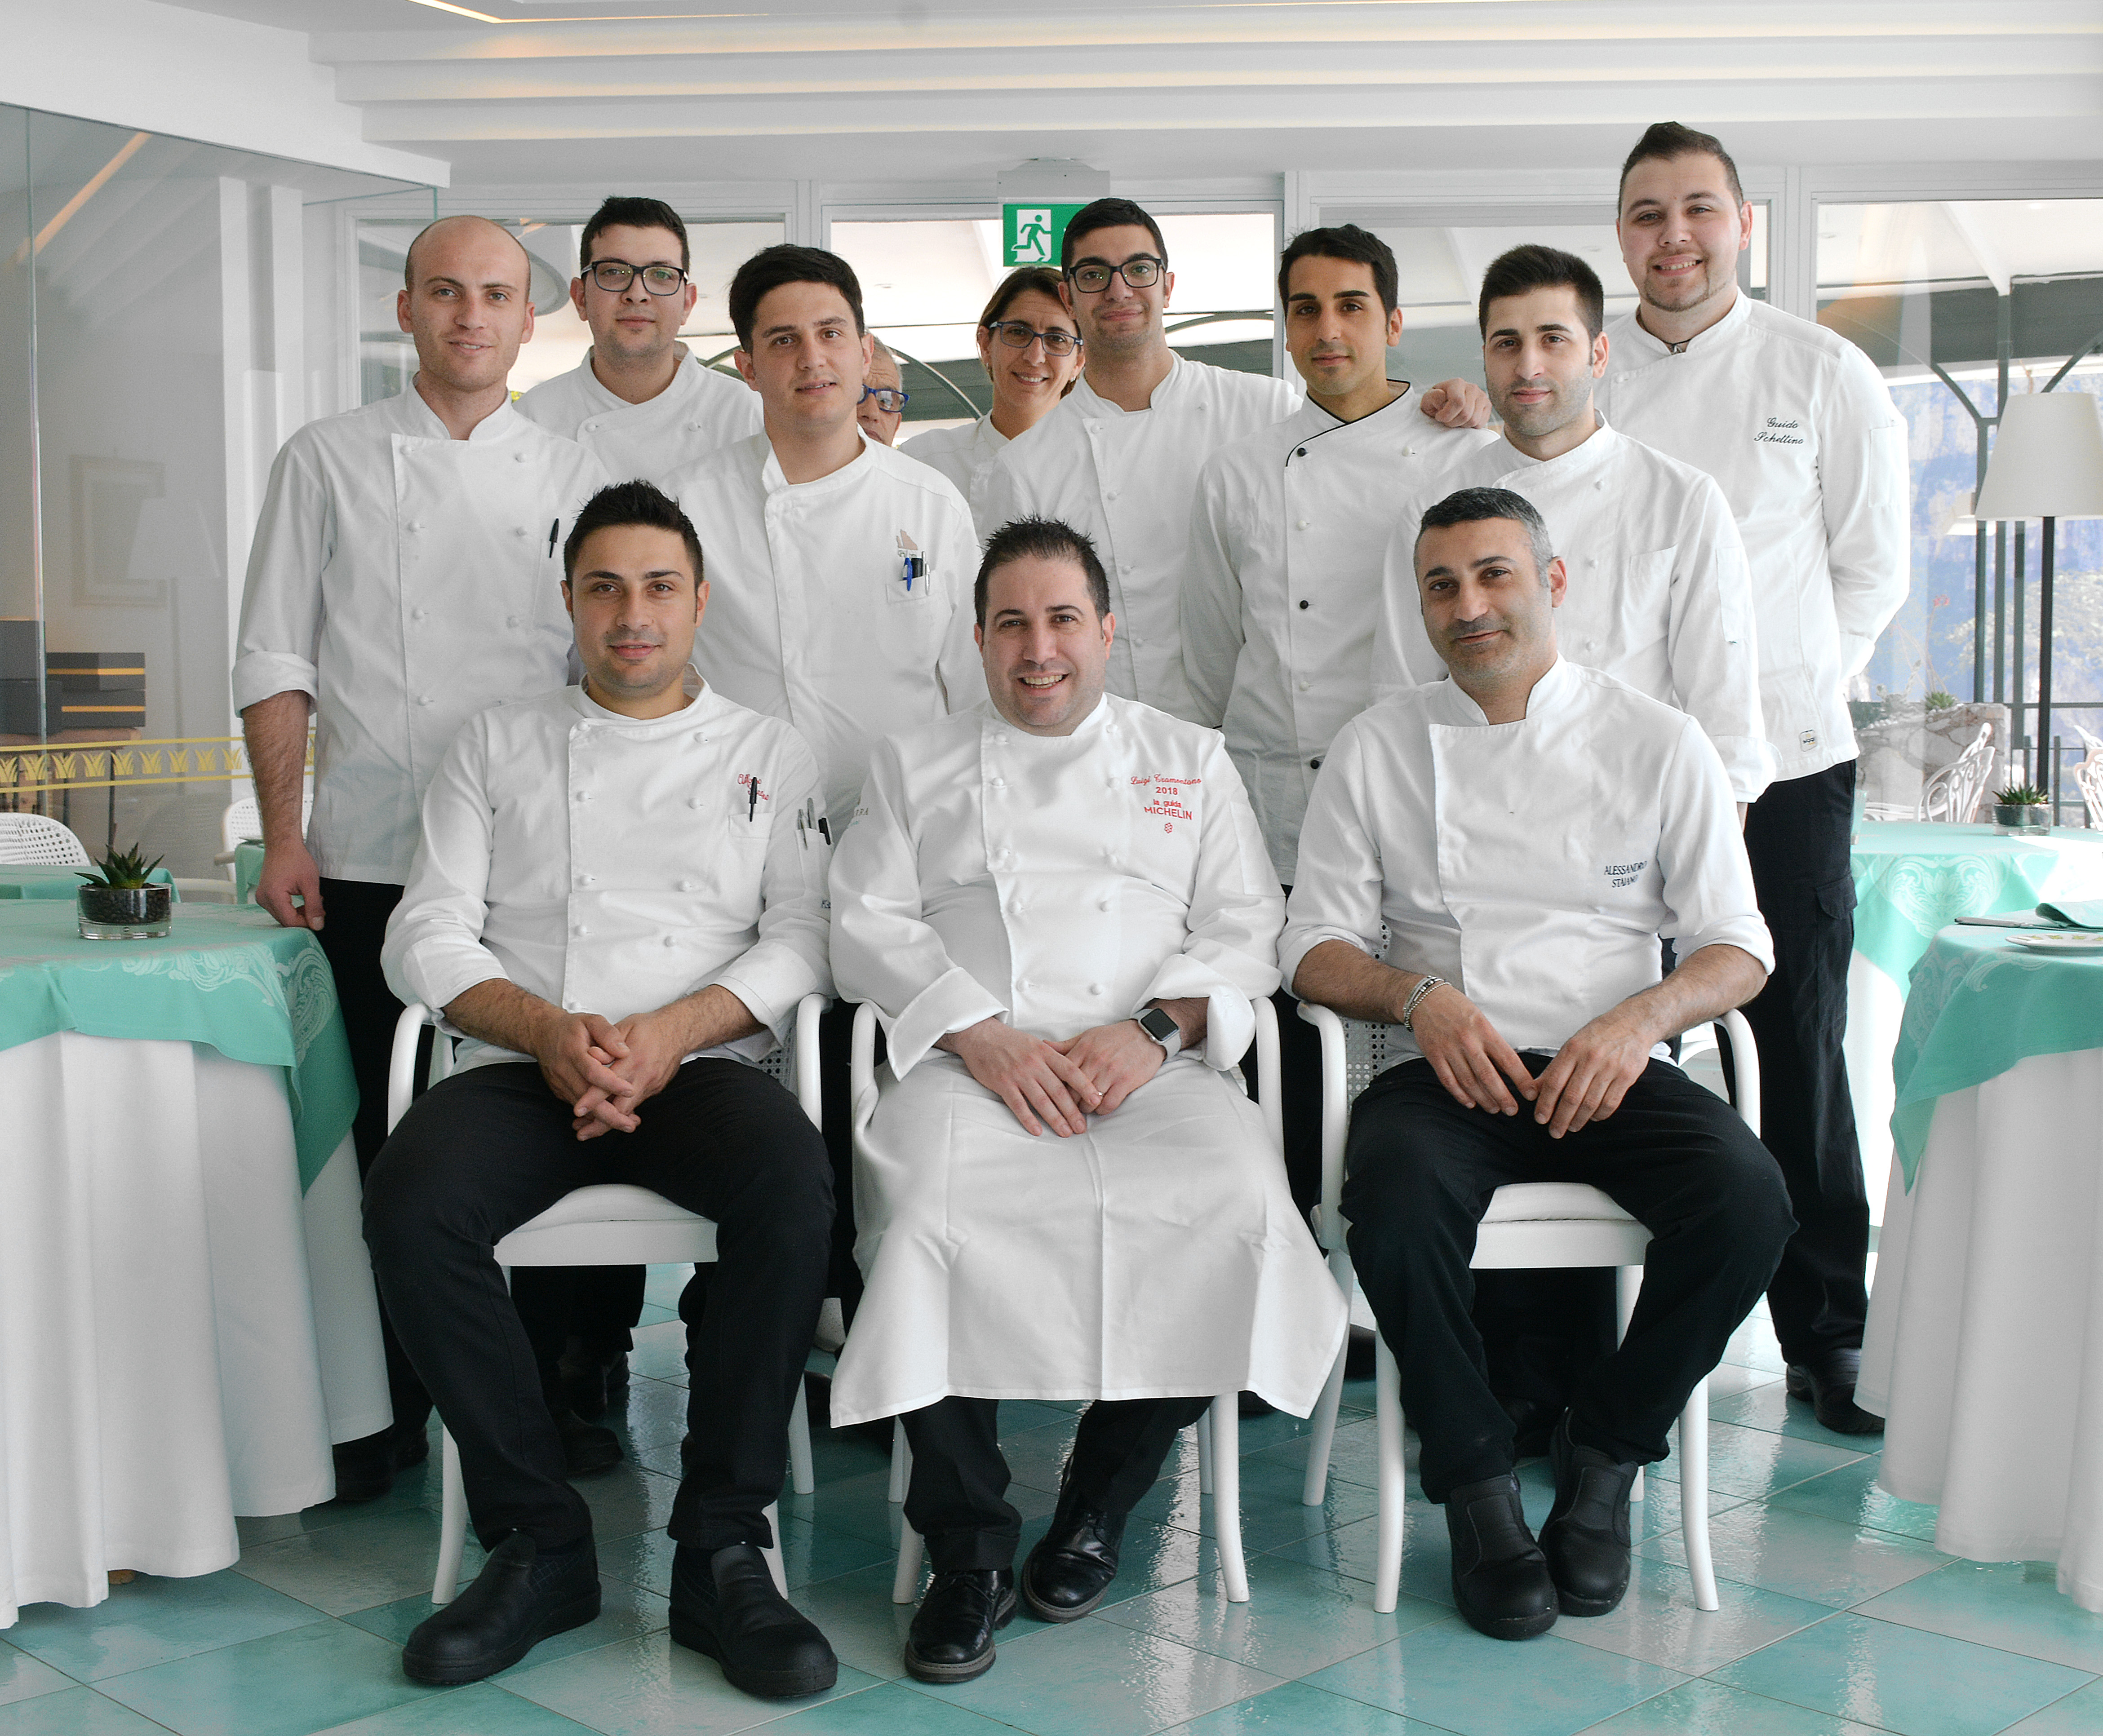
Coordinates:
[580,928]
[1299,524]
[1305,685]
[1111,494]
[1095,988]
[1304,603]
[423,698]
[1124,566]
[671,940]
[416,524]
[1102,903]
[584,795]
[1000,783]
[584,880]
[1314,764]
[569,1006]
[517,457]
[690,886]
[1409,452]
[693,802]
[512,620]
[1592,561]
[522,531]
[419,615]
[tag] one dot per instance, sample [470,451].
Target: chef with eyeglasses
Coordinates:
[883,396]
[640,399]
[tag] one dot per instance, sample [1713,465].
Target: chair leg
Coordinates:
[452,1521]
[1225,1433]
[901,1460]
[1203,1428]
[1323,1440]
[1694,1493]
[801,1476]
[1628,1286]
[905,1578]
[1394,1480]
[773,1551]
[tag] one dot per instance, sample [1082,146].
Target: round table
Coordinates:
[247,870]
[1984,1350]
[187,1317]
[37,881]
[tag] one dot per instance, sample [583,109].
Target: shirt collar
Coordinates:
[1446,702]
[606,401]
[1090,402]
[775,481]
[1594,452]
[421,421]
[702,705]
[1651,347]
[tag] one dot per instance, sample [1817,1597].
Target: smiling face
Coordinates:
[634,604]
[808,361]
[1681,232]
[1118,320]
[1540,361]
[1043,645]
[633,324]
[1337,331]
[1487,613]
[467,303]
[1026,383]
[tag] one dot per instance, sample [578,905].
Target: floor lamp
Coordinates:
[2047,463]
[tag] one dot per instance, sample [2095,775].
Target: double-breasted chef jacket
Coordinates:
[1658,594]
[1127,479]
[1061,883]
[613,865]
[1281,587]
[405,580]
[1796,425]
[701,411]
[843,607]
[1534,865]
[959,453]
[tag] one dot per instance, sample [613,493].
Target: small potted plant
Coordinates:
[2021,807]
[121,903]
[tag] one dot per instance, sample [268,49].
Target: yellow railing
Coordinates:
[119,764]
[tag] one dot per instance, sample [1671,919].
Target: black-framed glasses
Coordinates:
[1020,335]
[613,276]
[889,399]
[1141,271]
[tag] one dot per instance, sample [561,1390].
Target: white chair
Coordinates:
[1529,1225]
[30,840]
[242,821]
[2088,777]
[1218,1431]
[1953,793]
[609,1223]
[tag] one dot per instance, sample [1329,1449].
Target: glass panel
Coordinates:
[21,645]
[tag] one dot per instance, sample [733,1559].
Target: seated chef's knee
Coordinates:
[1734,1194]
[787,1199]
[1409,1194]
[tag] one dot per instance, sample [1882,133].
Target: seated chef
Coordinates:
[1527,832]
[1062,908]
[618,900]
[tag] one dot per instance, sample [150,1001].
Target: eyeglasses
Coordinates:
[613,276]
[889,399]
[1141,271]
[1018,335]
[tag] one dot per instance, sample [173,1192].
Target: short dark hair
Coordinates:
[1107,214]
[1664,140]
[1534,266]
[1469,506]
[1043,539]
[636,503]
[771,267]
[1348,242]
[1018,284]
[626,212]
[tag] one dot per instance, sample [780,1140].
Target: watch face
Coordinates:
[1158,1025]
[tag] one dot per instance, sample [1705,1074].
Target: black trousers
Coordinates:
[957,1498]
[1421,1170]
[835,1049]
[483,1152]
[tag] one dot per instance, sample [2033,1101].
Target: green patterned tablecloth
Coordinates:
[1977,1004]
[1912,878]
[227,976]
[21,879]
[247,870]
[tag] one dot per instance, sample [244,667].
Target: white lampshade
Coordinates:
[2047,460]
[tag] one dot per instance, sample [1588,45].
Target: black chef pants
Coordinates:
[1299,1096]
[484,1151]
[1421,1170]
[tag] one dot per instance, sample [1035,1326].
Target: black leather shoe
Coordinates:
[1586,1537]
[724,1605]
[1828,1386]
[1499,1575]
[520,1598]
[1533,1421]
[365,1468]
[1072,1565]
[951,1639]
[588,1450]
[593,1381]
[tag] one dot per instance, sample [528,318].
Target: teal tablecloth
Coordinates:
[23,881]
[227,976]
[1912,878]
[1977,1004]
[247,870]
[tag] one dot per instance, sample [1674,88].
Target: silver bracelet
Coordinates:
[1415,995]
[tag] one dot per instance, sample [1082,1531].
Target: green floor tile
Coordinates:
[659,1353]
[1659,1621]
[356,1566]
[651,1687]
[2014,1605]
[1801,1555]
[481,1710]
[1771,1408]
[1271,1514]
[1850,1496]
[891,1710]
[2079,1714]
[1298,1710]
[1704,1708]
[22,1677]
[1755,1462]
[74,1712]
[654,1415]
[153,1620]
[625,1613]
[855,1613]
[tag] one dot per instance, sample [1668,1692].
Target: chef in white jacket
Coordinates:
[640,399]
[1060,908]
[618,899]
[1488,862]
[405,574]
[1797,426]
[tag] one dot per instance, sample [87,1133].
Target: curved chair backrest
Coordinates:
[243,819]
[1953,793]
[27,840]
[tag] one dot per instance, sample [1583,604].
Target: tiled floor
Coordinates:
[1838,1616]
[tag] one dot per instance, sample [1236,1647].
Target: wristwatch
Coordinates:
[1160,1024]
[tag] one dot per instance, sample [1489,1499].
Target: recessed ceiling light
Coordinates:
[587,18]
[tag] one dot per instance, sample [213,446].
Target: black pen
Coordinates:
[555,525]
[751,800]
[825,832]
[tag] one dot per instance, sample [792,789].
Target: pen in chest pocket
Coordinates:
[554,525]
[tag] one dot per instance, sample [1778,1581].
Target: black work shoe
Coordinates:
[365,1468]
[1500,1578]
[724,1605]
[1828,1386]
[520,1598]
[593,1381]
[1072,1565]
[1586,1537]
[588,1450]
[951,1639]
[1533,1421]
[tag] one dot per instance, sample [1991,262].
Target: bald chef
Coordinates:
[406,574]
[1060,908]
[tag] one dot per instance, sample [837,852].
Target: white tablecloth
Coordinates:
[1984,1347]
[182,1335]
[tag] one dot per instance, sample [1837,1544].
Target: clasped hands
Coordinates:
[1058,1085]
[605,1069]
[1584,1083]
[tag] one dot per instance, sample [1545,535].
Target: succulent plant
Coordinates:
[122,868]
[1939,700]
[2020,795]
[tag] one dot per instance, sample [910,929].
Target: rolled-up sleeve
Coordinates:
[277,650]
[1708,889]
[792,956]
[433,951]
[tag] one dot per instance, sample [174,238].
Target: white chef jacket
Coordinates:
[1281,587]
[959,453]
[809,618]
[613,865]
[701,411]
[1534,865]
[1796,425]
[1127,479]
[1659,595]
[405,580]
[1062,882]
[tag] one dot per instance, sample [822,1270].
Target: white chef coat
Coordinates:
[701,411]
[959,453]
[809,617]
[613,865]
[1534,865]
[1281,586]
[1659,595]
[1127,479]
[1797,425]
[1061,883]
[405,580]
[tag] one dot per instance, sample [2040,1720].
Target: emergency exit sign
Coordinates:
[1031,231]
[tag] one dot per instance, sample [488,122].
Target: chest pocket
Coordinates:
[909,577]
[1642,606]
